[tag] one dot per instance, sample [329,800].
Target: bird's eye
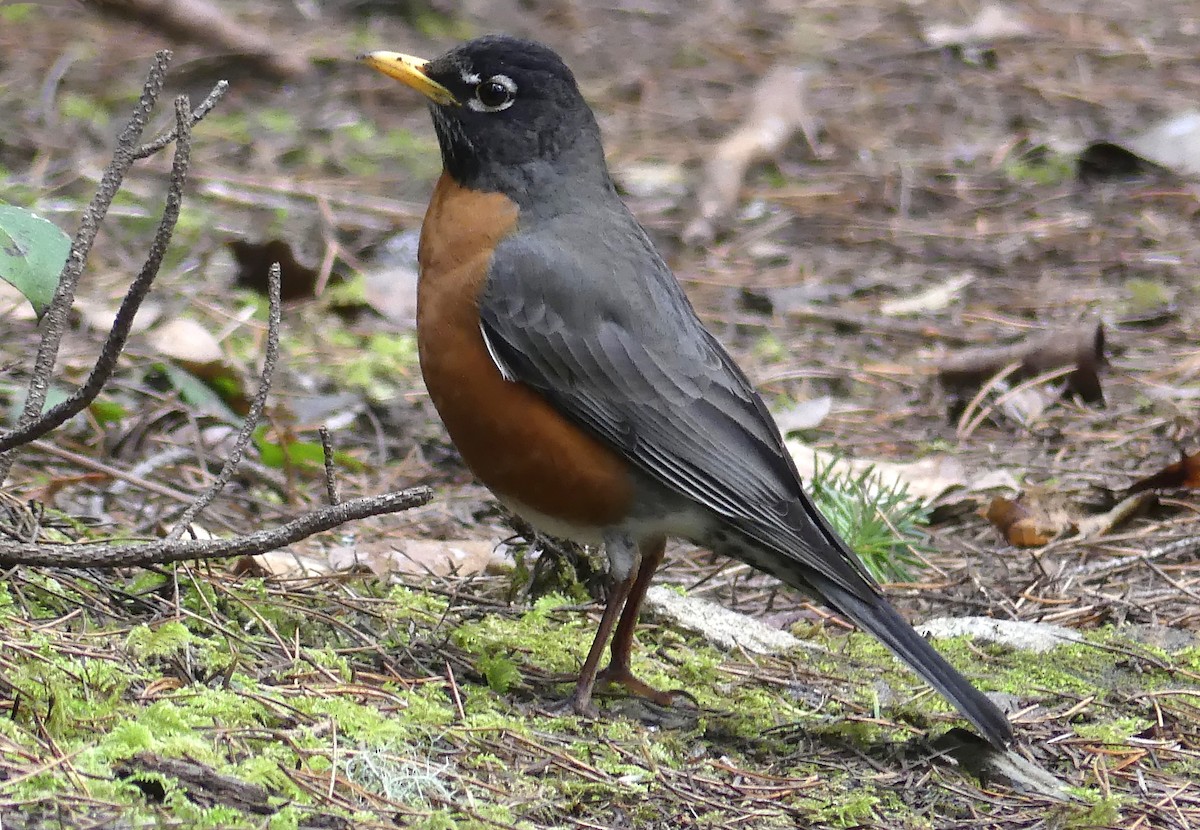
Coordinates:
[495,94]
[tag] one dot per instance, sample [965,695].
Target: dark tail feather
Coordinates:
[882,620]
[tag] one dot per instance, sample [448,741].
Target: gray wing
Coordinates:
[635,367]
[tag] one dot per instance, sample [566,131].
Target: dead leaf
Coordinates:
[391,287]
[1038,517]
[648,180]
[1172,144]
[1020,524]
[803,415]
[282,564]
[1182,474]
[926,479]
[964,373]
[190,344]
[933,299]
[779,108]
[993,23]
[100,316]
[420,557]
[297,281]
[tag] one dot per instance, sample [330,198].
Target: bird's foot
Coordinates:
[623,676]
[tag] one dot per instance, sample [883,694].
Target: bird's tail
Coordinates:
[881,619]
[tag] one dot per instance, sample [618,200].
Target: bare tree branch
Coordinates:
[252,417]
[218,92]
[114,344]
[331,487]
[54,323]
[129,554]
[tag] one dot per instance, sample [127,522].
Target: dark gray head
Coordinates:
[509,117]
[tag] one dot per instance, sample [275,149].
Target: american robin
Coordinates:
[577,381]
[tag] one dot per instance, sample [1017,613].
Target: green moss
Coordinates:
[164,640]
[1144,295]
[500,672]
[849,807]
[1039,168]
[1116,732]
[19,12]
[1100,810]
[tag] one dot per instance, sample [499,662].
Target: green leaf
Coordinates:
[106,411]
[195,392]
[302,454]
[32,254]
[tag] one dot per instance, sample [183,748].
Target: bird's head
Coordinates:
[508,114]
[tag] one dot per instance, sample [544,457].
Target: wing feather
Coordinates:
[642,373]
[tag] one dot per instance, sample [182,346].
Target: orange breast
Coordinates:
[515,442]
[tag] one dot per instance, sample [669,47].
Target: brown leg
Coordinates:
[581,700]
[618,670]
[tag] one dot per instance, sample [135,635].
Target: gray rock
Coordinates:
[1026,636]
[717,624]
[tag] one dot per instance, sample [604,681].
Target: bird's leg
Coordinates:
[618,670]
[623,561]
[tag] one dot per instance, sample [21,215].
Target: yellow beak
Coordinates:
[410,71]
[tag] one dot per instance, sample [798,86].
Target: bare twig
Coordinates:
[218,92]
[114,344]
[1180,546]
[128,554]
[252,417]
[331,487]
[133,477]
[54,323]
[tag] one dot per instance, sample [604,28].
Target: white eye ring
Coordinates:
[510,87]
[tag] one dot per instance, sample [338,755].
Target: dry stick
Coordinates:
[1094,569]
[130,554]
[252,417]
[118,335]
[132,477]
[54,323]
[218,92]
[331,487]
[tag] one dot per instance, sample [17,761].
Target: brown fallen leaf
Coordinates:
[282,564]
[190,344]
[100,316]
[297,281]
[1020,524]
[1182,474]
[1037,518]
[1170,145]
[930,300]
[778,109]
[1082,350]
